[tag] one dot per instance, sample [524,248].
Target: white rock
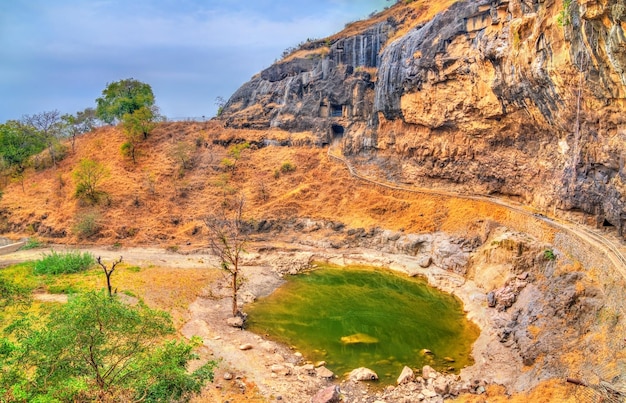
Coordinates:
[323,372]
[246,346]
[428,372]
[406,375]
[428,393]
[269,347]
[235,321]
[228,376]
[363,374]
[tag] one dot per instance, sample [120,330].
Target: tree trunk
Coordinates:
[235,293]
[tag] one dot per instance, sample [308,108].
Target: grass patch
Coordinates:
[32,243]
[64,263]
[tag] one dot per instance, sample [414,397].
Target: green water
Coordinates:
[393,316]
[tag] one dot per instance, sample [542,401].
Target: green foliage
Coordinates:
[88,176]
[32,243]
[548,254]
[64,263]
[97,348]
[123,97]
[287,167]
[564,18]
[18,142]
[235,150]
[140,122]
[86,225]
[12,293]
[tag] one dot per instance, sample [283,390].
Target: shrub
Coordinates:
[87,225]
[64,263]
[88,176]
[287,167]
[548,254]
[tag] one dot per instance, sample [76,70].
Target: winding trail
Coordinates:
[585,234]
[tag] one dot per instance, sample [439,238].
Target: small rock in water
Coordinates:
[228,376]
[425,351]
[448,359]
[298,354]
[246,346]
[320,364]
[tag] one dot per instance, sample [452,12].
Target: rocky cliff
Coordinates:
[523,98]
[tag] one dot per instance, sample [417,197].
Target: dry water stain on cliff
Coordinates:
[361,317]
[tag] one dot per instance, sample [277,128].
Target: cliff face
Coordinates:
[521,97]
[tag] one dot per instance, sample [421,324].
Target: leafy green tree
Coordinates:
[18,142]
[88,176]
[123,97]
[137,126]
[97,348]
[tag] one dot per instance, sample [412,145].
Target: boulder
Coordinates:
[235,321]
[428,372]
[245,346]
[406,375]
[323,372]
[363,374]
[327,395]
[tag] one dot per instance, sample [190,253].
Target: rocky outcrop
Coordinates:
[523,98]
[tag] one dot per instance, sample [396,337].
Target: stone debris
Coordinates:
[323,372]
[330,394]
[406,376]
[245,346]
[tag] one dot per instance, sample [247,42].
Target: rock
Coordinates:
[359,338]
[330,394]
[245,346]
[269,347]
[297,354]
[428,372]
[363,374]
[428,393]
[425,262]
[323,372]
[228,376]
[491,299]
[448,359]
[425,352]
[277,368]
[406,375]
[320,364]
[236,321]
[441,385]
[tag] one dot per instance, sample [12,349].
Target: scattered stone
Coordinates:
[327,395]
[406,375]
[448,359]
[480,390]
[323,372]
[428,393]
[320,364]
[246,346]
[236,321]
[441,386]
[228,376]
[428,372]
[491,299]
[363,374]
[298,354]
[269,347]
[277,368]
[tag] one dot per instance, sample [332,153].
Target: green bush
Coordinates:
[548,254]
[64,263]
[287,167]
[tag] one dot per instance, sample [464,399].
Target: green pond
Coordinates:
[363,317]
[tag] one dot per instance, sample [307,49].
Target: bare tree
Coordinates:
[48,125]
[227,240]
[108,272]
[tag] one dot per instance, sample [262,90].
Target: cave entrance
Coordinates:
[606,224]
[338,131]
[336,111]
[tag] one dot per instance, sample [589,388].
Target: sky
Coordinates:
[61,54]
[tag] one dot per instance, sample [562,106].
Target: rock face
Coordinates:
[517,97]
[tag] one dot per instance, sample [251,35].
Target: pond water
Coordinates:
[363,317]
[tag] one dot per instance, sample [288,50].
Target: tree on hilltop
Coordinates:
[123,97]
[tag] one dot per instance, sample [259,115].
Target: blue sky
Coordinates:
[60,54]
